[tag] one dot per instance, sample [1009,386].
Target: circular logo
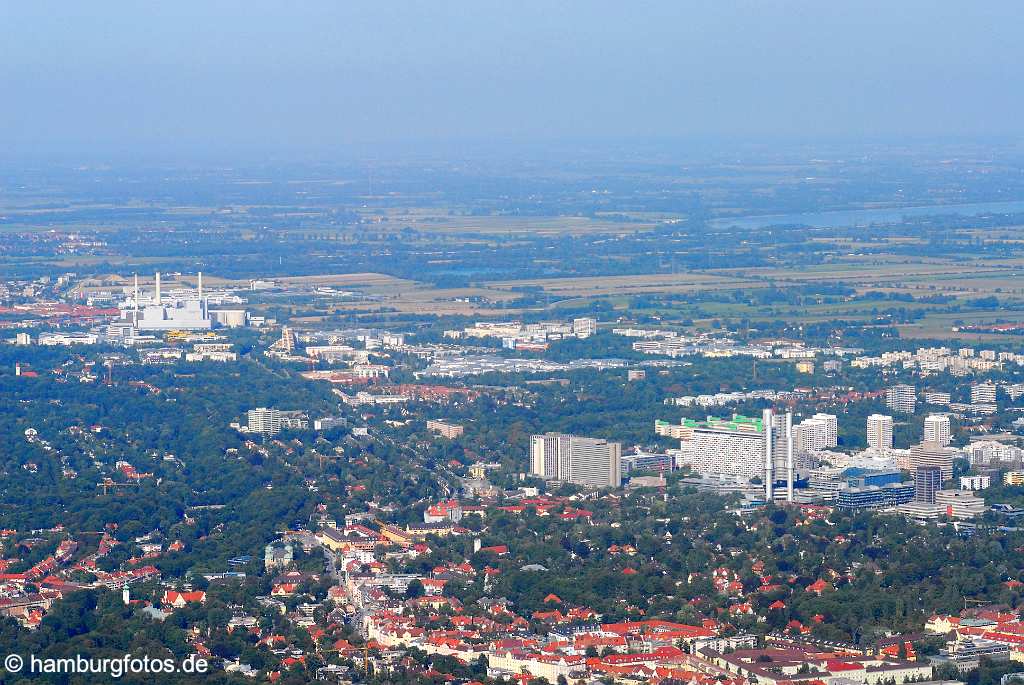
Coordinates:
[13,663]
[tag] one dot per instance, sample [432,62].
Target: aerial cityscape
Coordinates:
[413,383]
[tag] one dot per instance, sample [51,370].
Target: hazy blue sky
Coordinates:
[308,74]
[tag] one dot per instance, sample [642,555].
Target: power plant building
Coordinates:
[229,318]
[166,314]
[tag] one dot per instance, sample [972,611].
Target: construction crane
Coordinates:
[327,457]
[975,601]
[108,484]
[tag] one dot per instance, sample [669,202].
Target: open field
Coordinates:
[378,291]
[940,324]
[625,285]
[433,221]
[845,272]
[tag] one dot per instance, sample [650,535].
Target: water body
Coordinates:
[865,217]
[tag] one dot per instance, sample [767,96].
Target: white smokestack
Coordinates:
[136,298]
[202,305]
[158,299]
[769,458]
[789,457]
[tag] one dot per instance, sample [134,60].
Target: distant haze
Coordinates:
[317,75]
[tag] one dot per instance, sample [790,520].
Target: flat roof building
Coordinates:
[932,454]
[730,447]
[901,398]
[874,497]
[927,482]
[592,462]
[444,429]
[937,429]
[879,429]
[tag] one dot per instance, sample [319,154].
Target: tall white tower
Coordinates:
[879,431]
[202,304]
[767,422]
[937,429]
[789,457]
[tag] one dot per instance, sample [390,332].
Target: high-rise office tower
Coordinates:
[932,454]
[779,446]
[927,481]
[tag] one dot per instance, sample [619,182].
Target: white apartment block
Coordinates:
[879,427]
[983,393]
[937,429]
[993,452]
[591,462]
[445,429]
[941,359]
[975,482]
[678,431]
[584,327]
[810,435]
[832,428]
[939,398]
[901,398]
[263,420]
[817,433]
[725,451]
